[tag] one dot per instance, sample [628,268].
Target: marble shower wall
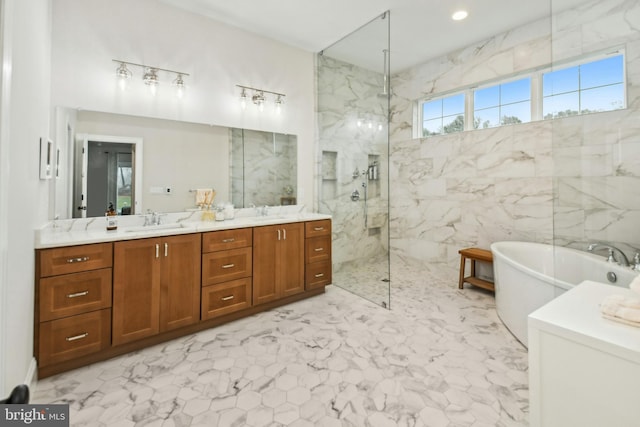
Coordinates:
[346,94]
[597,157]
[268,164]
[474,188]
[469,188]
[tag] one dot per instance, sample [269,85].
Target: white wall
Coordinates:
[24,119]
[88,34]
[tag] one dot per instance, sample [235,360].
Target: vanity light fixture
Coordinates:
[259,98]
[151,79]
[123,75]
[243,99]
[150,76]
[179,85]
[459,15]
[279,101]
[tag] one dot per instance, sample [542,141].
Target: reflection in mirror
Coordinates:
[178,157]
[263,168]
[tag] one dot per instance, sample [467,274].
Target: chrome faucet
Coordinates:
[152,218]
[621,258]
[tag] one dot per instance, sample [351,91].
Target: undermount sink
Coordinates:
[169,226]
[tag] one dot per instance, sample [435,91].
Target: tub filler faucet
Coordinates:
[621,258]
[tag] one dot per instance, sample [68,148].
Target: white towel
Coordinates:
[635,285]
[204,196]
[621,309]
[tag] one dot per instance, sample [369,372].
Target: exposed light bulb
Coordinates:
[151,79]
[259,99]
[370,125]
[243,99]
[359,123]
[180,86]
[123,75]
[279,101]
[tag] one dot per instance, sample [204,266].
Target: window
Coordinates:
[502,104]
[586,88]
[595,84]
[444,115]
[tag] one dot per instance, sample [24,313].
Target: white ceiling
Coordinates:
[420,29]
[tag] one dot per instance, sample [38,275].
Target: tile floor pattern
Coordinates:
[440,357]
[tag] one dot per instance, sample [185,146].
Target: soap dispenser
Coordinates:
[112,218]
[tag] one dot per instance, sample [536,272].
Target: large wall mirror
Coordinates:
[139,163]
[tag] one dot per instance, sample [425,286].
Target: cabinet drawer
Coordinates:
[317,275]
[73,259]
[317,249]
[317,228]
[226,239]
[219,267]
[226,298]
[75,336]
[76,293]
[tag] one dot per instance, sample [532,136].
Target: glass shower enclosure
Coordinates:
[353,161]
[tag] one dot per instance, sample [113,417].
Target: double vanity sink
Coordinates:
[93,230]
[104,293]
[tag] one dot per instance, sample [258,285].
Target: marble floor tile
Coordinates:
[439,357]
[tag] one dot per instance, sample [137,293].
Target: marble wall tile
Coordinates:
[525,181]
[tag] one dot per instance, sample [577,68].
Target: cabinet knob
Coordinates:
[230,297]
[319,249]
[319,275]
[228,240]
[228,266]
[318,228]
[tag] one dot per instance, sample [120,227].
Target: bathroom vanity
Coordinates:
[583,369]
[100,294]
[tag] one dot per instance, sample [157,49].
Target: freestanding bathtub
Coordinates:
[529,275]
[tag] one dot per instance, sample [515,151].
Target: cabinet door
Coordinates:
[136,290]
[179,281]
[265,242]
[290,259]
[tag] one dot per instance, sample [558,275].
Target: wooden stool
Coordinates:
[475,254]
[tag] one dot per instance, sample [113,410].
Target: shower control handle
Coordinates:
[355,196]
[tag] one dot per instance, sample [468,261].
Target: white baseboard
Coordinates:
[31,379]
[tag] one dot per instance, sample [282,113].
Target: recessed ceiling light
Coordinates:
[459,15]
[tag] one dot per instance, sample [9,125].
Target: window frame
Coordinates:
[537,90]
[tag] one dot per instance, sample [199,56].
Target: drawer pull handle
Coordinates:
[318,228]
[230,297]
[228,240]
[78,294]
[81,259]
[319,249]
[228,265]
[77,337]
[320,275]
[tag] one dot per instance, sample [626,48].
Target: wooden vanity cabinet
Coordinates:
[156,286]
[73,302]
[317,254]
[226,272]
[278,261]
[97,301]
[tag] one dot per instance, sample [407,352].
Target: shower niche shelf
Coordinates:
[329,174]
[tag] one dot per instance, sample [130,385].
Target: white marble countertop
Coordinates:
[575,315]
[93,230]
